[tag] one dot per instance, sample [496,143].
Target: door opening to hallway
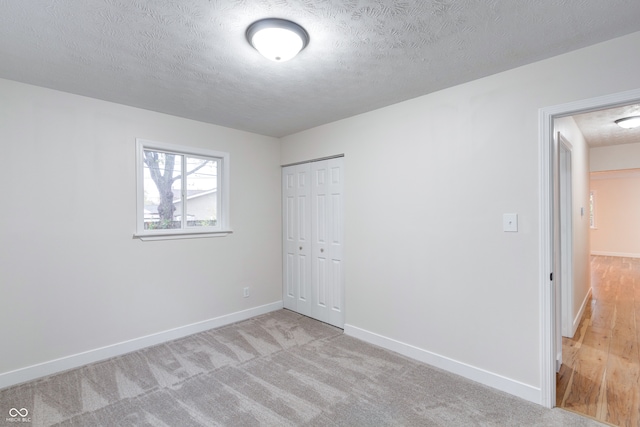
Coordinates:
[549,247]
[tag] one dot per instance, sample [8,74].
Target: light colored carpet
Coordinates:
[278,369]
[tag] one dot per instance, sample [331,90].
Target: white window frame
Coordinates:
[222,227]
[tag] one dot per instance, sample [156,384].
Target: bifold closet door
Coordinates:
[327,230]
[296,191]
[313,244]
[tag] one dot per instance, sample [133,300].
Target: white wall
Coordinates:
[429,269]
[617,195]
[580,214]
[615,157]
[617,209]
[72,278]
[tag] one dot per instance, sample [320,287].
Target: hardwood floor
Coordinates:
[600,373]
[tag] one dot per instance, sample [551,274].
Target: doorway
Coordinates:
[566,239]
[564,242]
[550,317]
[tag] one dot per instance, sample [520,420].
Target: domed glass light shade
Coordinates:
[277,39]
[629,122]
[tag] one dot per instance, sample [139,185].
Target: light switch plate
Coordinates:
[510,222]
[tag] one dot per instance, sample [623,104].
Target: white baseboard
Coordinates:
[618,254]
[576,320]
[524,391]
[30,373]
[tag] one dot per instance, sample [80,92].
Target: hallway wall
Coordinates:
[580,215]
[617,213]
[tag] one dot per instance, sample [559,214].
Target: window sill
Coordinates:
[182,235]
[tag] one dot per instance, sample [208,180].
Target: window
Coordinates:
[181,191]
[592,209]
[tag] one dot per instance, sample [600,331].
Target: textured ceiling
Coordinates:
[190,58]
[599,128]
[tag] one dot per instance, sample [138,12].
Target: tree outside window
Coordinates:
[173,182]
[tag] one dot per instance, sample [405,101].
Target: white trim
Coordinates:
[576,320]
[182,235]
[545,137]
[616,254]
[547,333]
[566,284]
[615,174]
[508,385]
[319,159]
[33,372]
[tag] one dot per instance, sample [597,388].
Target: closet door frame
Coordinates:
[313,239]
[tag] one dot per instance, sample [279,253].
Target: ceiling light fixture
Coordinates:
[629,122]
[277,39]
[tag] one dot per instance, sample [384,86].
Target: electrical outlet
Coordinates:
[245,292]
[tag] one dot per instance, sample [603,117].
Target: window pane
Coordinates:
[162,190]
[591,210]
[202,192]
